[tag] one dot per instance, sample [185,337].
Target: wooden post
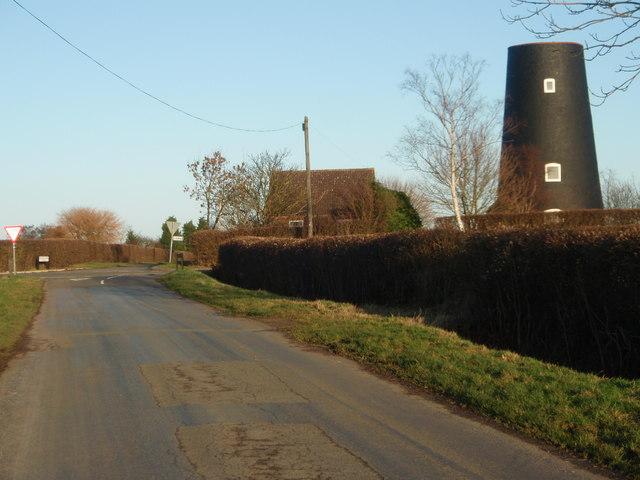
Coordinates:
[305,128]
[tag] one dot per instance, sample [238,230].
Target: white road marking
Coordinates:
[109,278]
[79,279]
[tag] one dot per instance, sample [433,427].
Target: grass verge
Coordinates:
[593,417]
[172,266]
[20,299]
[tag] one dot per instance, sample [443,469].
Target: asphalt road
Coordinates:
[126,380]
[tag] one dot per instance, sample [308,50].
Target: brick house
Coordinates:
[344,200]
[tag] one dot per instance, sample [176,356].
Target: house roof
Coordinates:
[329,188]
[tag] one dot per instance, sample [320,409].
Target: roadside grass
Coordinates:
[172,266]
[165,266]
[593,417]
[20,299]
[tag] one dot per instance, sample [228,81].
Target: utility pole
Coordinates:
[305,129]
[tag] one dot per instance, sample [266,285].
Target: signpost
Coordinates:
[13,231]
[42,260]
[173,228]
[179,255]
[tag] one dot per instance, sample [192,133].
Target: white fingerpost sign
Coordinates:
[173,228]
[13,232]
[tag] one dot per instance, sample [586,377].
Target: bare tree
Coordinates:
[362,209]
[287,195]
[134,238]
[619,193]
[34,232]
[516,173]
[418,197]
[260,198]
[454,146]
[611,28]
[55,231]
[216,186]
[83,223]
[480,160]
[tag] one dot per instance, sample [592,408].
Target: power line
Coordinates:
[141,90]
[335,145]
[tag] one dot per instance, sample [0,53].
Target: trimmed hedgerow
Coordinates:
[205,243]
[570,295]
[64,252]
[560,219]
[358,268]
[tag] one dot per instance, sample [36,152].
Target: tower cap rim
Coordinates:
[546,43]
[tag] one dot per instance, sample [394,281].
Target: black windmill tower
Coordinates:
[548,131]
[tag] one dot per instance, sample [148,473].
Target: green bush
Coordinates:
[570,295]
[404,217]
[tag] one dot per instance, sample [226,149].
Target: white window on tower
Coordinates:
[552,172]
[549,85]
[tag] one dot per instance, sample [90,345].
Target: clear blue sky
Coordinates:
[71,135]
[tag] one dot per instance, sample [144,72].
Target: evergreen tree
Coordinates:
[187,229]
[396,208]
[132,238]
[202,224]
[404,217]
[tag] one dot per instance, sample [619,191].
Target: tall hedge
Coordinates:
[63,252]
[560,219]
[205,243]
[569,295]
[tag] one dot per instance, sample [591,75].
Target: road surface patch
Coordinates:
[45,344]
[206,383]
[147,331]
[265,451]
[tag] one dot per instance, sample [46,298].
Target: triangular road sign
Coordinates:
[172,226]
[13,231]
